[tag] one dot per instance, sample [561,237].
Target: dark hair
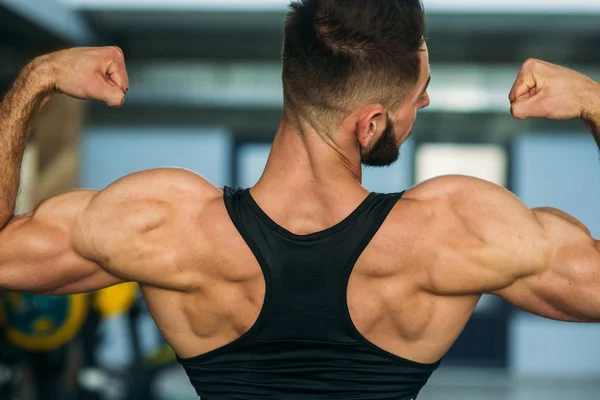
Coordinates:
[339,53]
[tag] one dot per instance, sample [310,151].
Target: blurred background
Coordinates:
[206,95]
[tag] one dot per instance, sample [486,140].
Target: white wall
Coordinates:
[562,172]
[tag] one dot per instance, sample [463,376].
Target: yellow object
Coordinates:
[164,355]
[115,300]
[46,333]
[15,300]
[42,325]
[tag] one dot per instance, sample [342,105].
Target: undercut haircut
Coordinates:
[340,54]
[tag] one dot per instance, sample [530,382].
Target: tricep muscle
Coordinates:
[567,285]
[37,252]
[487,241]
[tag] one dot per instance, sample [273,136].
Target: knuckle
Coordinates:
[516,112]
[531,63]
[117,51]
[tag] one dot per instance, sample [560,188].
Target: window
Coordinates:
[483,161]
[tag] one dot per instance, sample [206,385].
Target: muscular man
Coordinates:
[307,286]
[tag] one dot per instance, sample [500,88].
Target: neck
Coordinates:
[303,161]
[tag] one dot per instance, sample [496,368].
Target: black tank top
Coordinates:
[304,344]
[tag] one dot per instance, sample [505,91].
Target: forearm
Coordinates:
[591,115]
[18,109]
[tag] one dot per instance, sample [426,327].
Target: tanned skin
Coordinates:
[412,291]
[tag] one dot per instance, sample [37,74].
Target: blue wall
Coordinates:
[108,154]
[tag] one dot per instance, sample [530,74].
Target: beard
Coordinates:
[385,151]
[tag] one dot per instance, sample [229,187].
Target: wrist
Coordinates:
[40,76]
[591,108]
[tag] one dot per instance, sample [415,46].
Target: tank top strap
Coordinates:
[307,275]
[353,233]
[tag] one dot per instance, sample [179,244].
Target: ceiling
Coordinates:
[29,28]
[179,36]
[455,37]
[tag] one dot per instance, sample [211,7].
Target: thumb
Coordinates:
[113,95]
[524,86]
[106,91]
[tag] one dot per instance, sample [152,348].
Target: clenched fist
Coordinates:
[89,73]
[545,90]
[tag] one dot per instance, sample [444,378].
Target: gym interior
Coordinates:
[205,94]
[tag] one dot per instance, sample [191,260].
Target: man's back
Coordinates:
[386,293]
[410,292]
[304,315]
[382,311]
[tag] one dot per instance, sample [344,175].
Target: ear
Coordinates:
[370,125]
